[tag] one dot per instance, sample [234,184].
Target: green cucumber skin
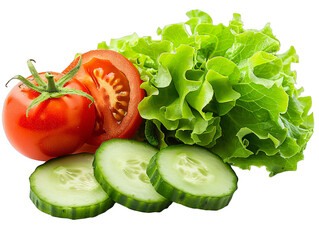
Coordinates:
[71,212]
[123,199]
[128,201]
[68,212]
[176,195]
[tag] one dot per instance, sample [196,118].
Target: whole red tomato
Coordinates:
[54,127]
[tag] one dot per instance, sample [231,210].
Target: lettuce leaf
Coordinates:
[224,88]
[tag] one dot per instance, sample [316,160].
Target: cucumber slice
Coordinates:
[120,167]
[192,176]
[65,187]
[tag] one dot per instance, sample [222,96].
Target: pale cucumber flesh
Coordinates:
[66,187]
[120,167]
[192,176]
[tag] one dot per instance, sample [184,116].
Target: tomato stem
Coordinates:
[51,87]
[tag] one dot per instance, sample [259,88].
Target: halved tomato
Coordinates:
[114,82]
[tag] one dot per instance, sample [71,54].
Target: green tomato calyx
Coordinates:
[51,88]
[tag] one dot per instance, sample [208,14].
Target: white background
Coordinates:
[282,207]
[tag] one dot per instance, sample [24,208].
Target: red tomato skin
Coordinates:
[53,128]
[132,120]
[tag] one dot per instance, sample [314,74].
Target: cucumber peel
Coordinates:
[65,187]
[120,167]
[192,176]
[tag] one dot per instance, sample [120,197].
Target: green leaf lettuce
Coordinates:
[224,88]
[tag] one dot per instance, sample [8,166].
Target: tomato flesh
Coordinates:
[55,127]
[110,90]
[114,83]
